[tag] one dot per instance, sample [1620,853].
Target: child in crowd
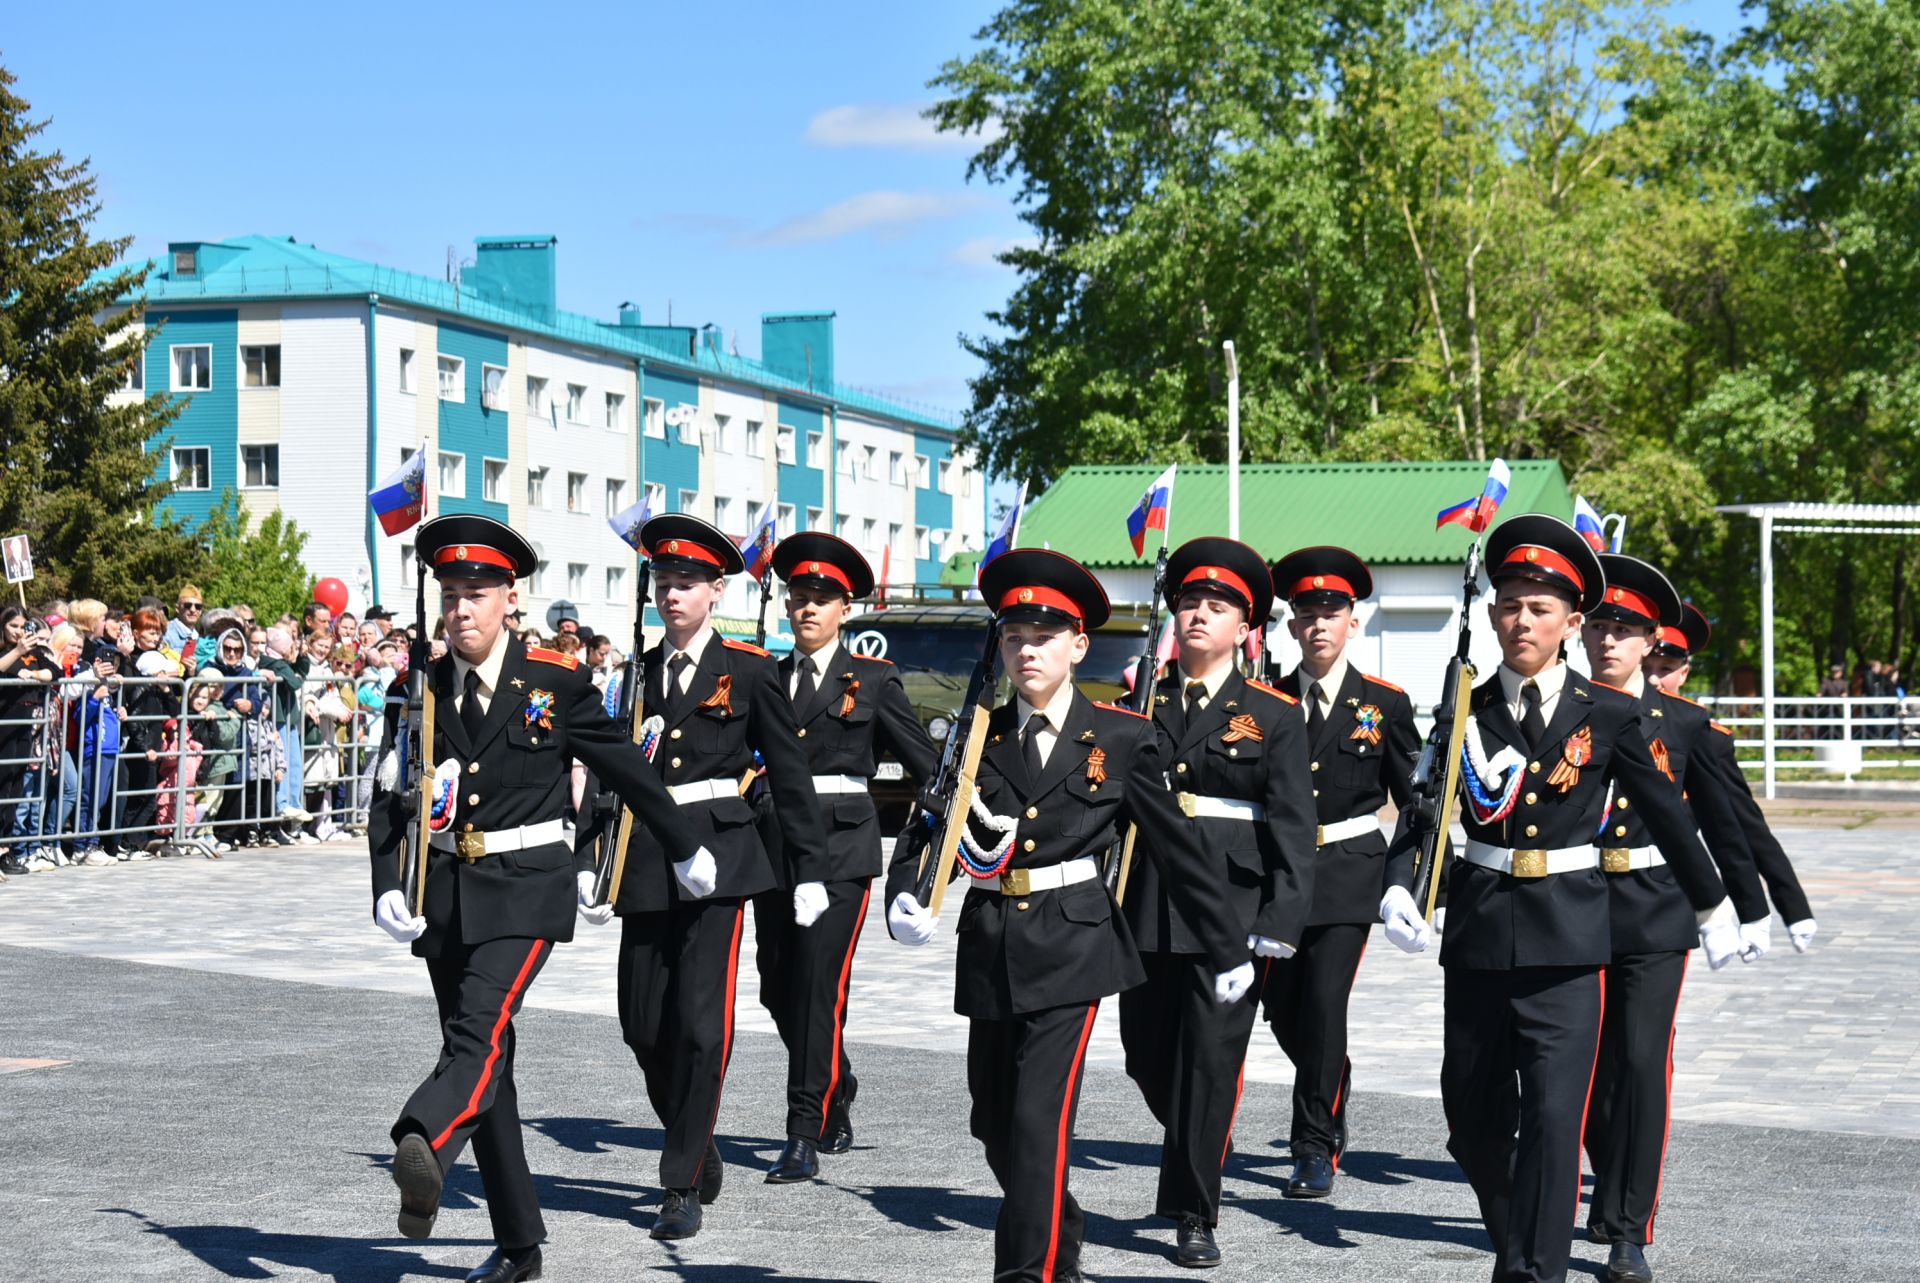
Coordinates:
[217,728]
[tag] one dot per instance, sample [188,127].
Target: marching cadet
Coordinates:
[1527,925]
[1238,750]
[1668,667]
[1040,940]
[501,884]
[720,701]
[1361,744]
[1653,925]
[848,706]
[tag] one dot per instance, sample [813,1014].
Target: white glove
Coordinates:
[596,914]
[1719,934]
[908,922]
[1801,933]
[1268,947]
[809,902]
[1755,939]
[391,912]
[1439,919]
[1232,986]
[697,874]
[1404,927]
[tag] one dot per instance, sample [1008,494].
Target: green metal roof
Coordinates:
[1384,512]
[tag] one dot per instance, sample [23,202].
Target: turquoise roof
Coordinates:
[275,267]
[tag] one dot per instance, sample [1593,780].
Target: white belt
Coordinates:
[705,790]
[1358,826]
[1219,808]
[1050,878]
[1629,859]
[472,846]
[1531,862]
[839,784]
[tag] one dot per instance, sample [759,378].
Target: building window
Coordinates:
[867,525]
[453,378]
[896,468]
[722,429]
[937,543]
[922,471]
[576,492]
[689,424]
[193,468]
[616,412]
[406,370]
[536,397]
[656,413]
[922,545]
[136,375]
[453,475]
[756,446]
[192,368]
[493,387]
[261,464]
[260,366]
[577,580]
[843,458]
[536,487]
[842,525]
[966,482]
[872,462]
[783,443]
[656,496]
[493,477]
[813,519]
[783,518]
[576,402]
[616,496]
[689,499]
[407,452]
[407,568]
[616,583]
[186,262]
[537,585]
[946,476]
[815,459]
[723,512]
[893,534]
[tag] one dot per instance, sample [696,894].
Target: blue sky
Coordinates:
[731,159]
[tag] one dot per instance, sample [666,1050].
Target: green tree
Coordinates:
[258,566]
[78,475]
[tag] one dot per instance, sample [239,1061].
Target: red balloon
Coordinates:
[331,593]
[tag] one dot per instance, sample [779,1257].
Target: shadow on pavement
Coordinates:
[237,1251]
[929,1207]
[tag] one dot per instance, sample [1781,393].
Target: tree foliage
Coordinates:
[259,567]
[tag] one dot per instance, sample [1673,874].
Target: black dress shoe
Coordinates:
[1626,1263]
[838,1136]
[1195,1247]
[417,1172]
[1313,1178]
[713,1173]
[798,1162]
[679,1215]
[502,1268]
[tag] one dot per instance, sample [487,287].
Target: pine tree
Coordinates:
[78,476]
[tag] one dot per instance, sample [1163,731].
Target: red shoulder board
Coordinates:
[1605,686]
[874,659]
[1724,730]
[1271,690]
[1115,708]
[1378,681]
[546,656]
[1684,700]
[749,647]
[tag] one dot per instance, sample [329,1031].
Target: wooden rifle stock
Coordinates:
[954,786]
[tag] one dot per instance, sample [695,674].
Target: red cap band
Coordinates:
[474,552]
[825,570]
[1668,636]
[1037,595]
[689,549]
[1221,576]
[1631,600]
[1532,554]
[1321,583]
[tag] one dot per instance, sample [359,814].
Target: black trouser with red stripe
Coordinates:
[677,973]
[1024,1076]
[804,976]
[470,1094]
[1188,1053]
[1633,1094]
[1514,1079]
[1307,998]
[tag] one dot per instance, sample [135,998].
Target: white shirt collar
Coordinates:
[696,649]
[1213,684]
[1056,709]
[1330,684]
[824,659]
[489,667]
[1636,684]
[1549,679]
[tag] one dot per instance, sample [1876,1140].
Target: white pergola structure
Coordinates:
[1807,519]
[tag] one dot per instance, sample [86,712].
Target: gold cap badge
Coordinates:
[1213,572]
[1533,554]
[673,545]
[1026,595]
[813,567]
[460,553]
[1319,581]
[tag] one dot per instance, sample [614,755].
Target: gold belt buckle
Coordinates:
[470,846]
[1616,859]
[1320,835]
[1189,804]
[1531,863]
[1016,882]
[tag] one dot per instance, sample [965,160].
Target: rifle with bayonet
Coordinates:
[1436,776]
[1119,864]
[752,772]
[416,752]
[616,836]
[939,818]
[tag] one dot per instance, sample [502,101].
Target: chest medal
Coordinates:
[1576,754]
[539,710]
[1367,719]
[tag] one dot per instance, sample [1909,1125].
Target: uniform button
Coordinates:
[677,733]
[533,739]
[1316,792]
[1533,830]
[1619,830]
[802,732]
[1033,813]
[674,762]
[1233,752]
[1093,788]
[466,828]
[1022,905]
[1315,766]
[1182,768]
[1533,767]
[1532,798]
[1621,803]
[473,768]
[1027,845]
[473,799]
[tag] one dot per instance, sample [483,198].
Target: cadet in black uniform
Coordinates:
[679,945]
[1668,668]
[1040,941]
[1527,906]
[502,887]
[848,707]
[1239,755]
[1653,924]
[1361,744]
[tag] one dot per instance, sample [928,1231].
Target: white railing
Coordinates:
[1841,737]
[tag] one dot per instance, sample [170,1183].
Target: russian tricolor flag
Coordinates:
[759,549]
[627,522]
[1156,505]
[1588,525]
[401,500]
[1009,531]
[1477,514]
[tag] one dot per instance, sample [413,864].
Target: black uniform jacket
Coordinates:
[517,773]
[1264,868]
[1018,954]
[1354,775]
[1650,913]
[856,710]
[734,705]
[1495,921]
[1782,883]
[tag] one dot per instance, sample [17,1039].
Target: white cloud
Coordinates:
[882,212]
[887,124]
[983,252]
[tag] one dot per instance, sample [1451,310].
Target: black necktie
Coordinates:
[676,694]
[1030,749]
[1532,725]
[1315,718]
[804,688]
[1196,698]
[471,714]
